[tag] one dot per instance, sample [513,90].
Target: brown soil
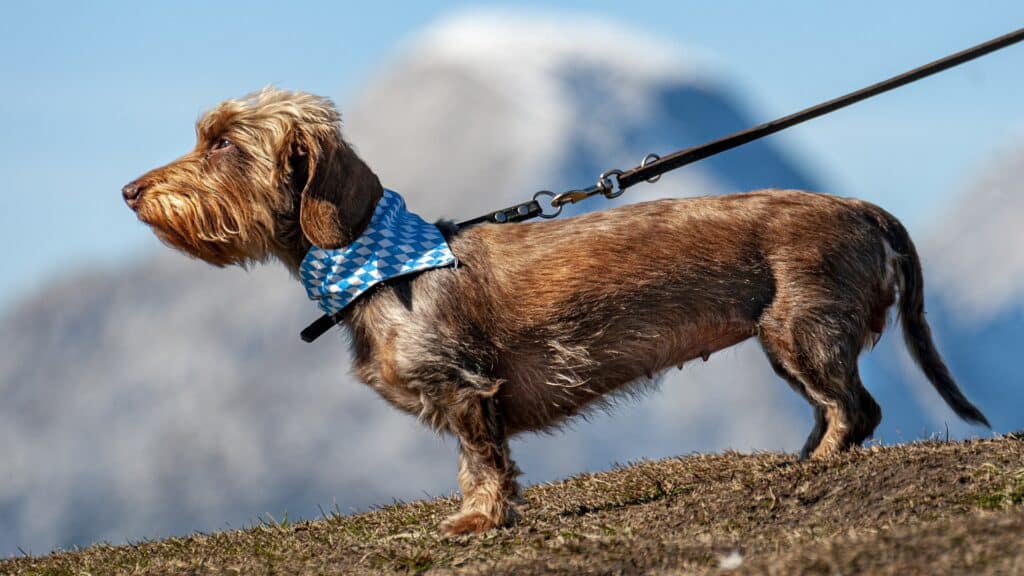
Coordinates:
[925,508]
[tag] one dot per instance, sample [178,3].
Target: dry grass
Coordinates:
[926,508]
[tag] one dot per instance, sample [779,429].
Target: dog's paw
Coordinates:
[468,522]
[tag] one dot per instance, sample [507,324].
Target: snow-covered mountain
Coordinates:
[166,396]
[484,110]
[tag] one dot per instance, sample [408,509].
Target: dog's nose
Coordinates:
[131,192]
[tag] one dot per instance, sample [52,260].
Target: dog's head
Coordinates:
[270,175]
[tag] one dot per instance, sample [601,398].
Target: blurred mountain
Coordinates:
[484,110]
[166,396]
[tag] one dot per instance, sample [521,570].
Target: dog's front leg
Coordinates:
[487,475]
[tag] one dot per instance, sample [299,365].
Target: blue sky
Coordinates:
[96,93]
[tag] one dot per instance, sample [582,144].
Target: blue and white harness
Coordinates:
[396,242]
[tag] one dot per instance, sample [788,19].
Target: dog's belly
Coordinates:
[702,341]
[544,391]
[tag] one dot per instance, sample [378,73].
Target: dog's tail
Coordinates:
[916,333]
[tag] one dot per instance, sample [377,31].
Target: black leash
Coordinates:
[684,157]
[612,183]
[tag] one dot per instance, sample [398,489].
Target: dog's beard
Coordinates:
[209,230]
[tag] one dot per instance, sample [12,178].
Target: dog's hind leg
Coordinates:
[820,362]
[487,474]
[852,414]
[794,382]
[868,414]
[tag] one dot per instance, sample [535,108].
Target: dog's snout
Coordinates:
[131,192]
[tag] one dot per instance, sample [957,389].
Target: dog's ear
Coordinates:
[339,193]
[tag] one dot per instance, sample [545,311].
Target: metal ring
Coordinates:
[652,157]
[604,183]
[551,195]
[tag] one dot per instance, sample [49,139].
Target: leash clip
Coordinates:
[573,196]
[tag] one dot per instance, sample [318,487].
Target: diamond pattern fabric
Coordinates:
[396,242]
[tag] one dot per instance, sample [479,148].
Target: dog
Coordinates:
[540,322]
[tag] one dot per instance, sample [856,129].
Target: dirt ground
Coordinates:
[924,508]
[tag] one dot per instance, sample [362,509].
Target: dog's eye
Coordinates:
[222,144]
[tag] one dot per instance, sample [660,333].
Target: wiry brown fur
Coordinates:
[543,321]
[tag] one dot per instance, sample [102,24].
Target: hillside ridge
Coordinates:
[922,508]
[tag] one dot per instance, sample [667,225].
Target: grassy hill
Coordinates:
[923,508]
